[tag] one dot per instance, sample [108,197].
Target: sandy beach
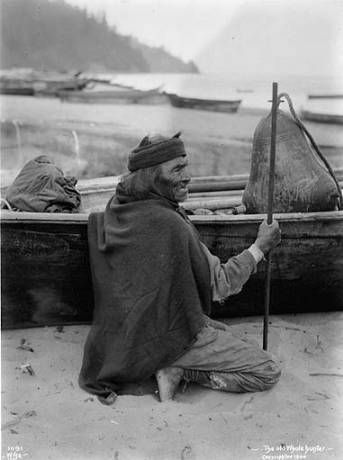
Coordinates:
[47,416]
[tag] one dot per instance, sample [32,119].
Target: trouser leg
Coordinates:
[260,379]
[221,361]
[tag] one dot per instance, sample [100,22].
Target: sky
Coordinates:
[298,34]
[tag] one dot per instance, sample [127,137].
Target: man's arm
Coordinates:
[228,278]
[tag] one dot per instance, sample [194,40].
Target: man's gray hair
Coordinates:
[140,183]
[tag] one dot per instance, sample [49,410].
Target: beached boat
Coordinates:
[325,96]
[244,90]
[46,276]
[322,117]
[213,105]
[16,87]
[52,87]
[102,93]
[41,84]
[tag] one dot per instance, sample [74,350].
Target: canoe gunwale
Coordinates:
[20,217]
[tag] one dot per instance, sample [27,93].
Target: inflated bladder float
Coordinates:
[304,181]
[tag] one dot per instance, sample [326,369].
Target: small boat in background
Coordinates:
[322,117]
[325,96]
[106,93]
[16,87]
[53,85]
[34,83]
[213,105]
[323,109]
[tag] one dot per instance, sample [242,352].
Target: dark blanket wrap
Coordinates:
[151,284]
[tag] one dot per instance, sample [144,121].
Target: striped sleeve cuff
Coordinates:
[256,253]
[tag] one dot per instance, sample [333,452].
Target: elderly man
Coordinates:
[154,282]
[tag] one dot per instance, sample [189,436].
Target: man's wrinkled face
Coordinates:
[175,176]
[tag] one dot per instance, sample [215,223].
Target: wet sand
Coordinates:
[47,416]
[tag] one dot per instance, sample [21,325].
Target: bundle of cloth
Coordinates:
[42,187]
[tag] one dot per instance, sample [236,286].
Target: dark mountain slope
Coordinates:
[53,35]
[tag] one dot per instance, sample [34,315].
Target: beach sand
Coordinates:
[47,416]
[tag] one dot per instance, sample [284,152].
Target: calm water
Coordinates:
[254,93]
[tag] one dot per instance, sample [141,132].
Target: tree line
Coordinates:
[53,35]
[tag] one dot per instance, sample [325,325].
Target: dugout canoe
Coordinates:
[41,84]
[325,96]
[113,94]
[322,117]
[212,105]
[46,276]
[16,87]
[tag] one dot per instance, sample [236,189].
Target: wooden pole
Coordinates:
[270,214]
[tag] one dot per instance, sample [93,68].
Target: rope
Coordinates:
[6,204]
[313,143]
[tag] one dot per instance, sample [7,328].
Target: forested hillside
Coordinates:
[160,61]
[53,35]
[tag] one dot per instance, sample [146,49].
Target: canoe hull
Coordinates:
[325,96]
[317,117]
[211,105]
[122,97]
[307,268]
[46,275]
[17,91]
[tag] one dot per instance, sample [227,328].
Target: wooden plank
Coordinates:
[215,194]
[216,186]
[292,217]
[213,203]
[42,218]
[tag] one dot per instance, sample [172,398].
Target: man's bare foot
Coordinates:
[109,399]
[168,380]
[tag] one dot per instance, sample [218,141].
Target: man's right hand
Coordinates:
[268,236]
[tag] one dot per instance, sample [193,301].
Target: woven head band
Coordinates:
[155,150]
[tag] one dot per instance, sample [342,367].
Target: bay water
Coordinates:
[253,92]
